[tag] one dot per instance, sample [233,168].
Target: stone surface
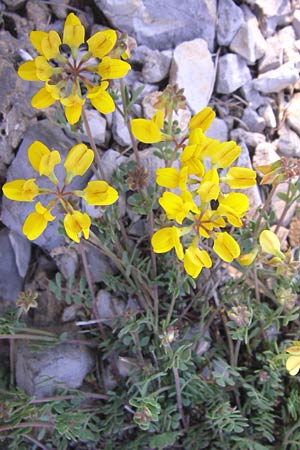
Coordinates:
[111,160]
[193,70]
[278,205]
[265,153]
[288,142]
[66,260]
[248,41]
[99,265]
[274,13]
[120,130]
[218,130]
[252,96]
[293,113]
[162,25]
[13,212]
[253,121]
[250,139]
[42,372]
[151,163]
[268,114]
[22,250]
[97,125]
[230,20]
[109,307]
[156,66]
[10,279]
[296,23]
[273,55]
[277,80]
[232,73]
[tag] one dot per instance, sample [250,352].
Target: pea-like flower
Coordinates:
[293,361]
[73,69]
[76,163]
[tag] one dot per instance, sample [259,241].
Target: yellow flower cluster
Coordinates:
[73,69]
[77,162]
[199,202]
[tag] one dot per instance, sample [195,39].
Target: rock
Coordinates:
[156,67]
[218,130]
[296,23]
[253,121]
[249,138]
[60,9]
[109,307]
[276,80]
[120,130]
[99,265]
[11,281]
[232,73]
[22,251]
[230,20]
[275,13]
[293,113]
[268,114]
[124,366]
[37,12]
[43,372]
[97,125]
[13,212]
[183,116]
[66,259]
[70,313]
[162,25]
[265,153]
[193,70]
[278,205]
[248,41]
[252,95]
[272,58]
[151,163]
[147,89]
[111,160]
[288,142]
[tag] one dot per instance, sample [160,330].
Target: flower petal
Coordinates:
[74,32]
[110,68]
[27,71]
[100,193]
[21,190]
[226,247]
[42,99]
[101,43]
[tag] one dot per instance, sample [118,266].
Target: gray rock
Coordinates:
[193,69]
[272,58]
[22,250]
[268,114]
[42,372]
[218,130]
[109,307]
[253,121]
[70,313]
[66,259]
[287,39]
[111,160]
[230,19]
[151,163]
[11,281]
[120,130]
[274,14]
[147,89]
[97,125]
[276,80]
[248,41]
[156,67]
[288,142]
[296,23]
[232,73]
[252,96]
[162,25]
[293,113]
[250,139]
[99,265]
[13,212]
[265,153]
[278,205]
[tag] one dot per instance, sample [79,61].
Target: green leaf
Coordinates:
[164,440]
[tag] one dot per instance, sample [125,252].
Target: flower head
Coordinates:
[73,68]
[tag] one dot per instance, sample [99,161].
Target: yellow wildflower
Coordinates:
[195,259]
[21,190]
[233,206]
[77,223]
[78,160]
[36,222]
[167,238]
[240,177]
[202,119]
[293,362]
[225,246]
[270,243]
[171,178]
[178,206]
[100,193]
[247,258]
[42,159]
[149,131]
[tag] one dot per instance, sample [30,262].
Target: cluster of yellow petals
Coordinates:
[77,162]
[73,69]
[199,183]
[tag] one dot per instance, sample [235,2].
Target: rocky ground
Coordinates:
[240,57]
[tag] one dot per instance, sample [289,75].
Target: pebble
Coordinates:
[254,122]
[193,70]
[230,20]
[252,96]
[232,73]
[277,80]
[288,142]
[156,66]
[293,113]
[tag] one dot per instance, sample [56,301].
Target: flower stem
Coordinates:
[92,142]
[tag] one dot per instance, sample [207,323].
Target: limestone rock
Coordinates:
[253,121]
[268,114]
[252,95]
[218,130]
[109,307]
[248,41]
[273,55]
[156,67]
[193,69]
[278,205]
[293,113]
[162,25]
[249,138]
[120,130]
[42,372]
[230,20]
[97,125]
[277,80]
[296,23]
[265,153]
[232,73]
[288,142]
[274,14]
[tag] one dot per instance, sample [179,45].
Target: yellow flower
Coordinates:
[270,243]
[225,154]
[71,70]
[99,193]
[42,159]
[78,160]
[226,247]
[167,238]
[171,178]
[36,222]
[247,258]
[190,158]
[21,190]
[76,224]
[177,206]
[209,188]
[240,178]
[293,362]
[202,119]
[195,259]
[148,131]
[233,206]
